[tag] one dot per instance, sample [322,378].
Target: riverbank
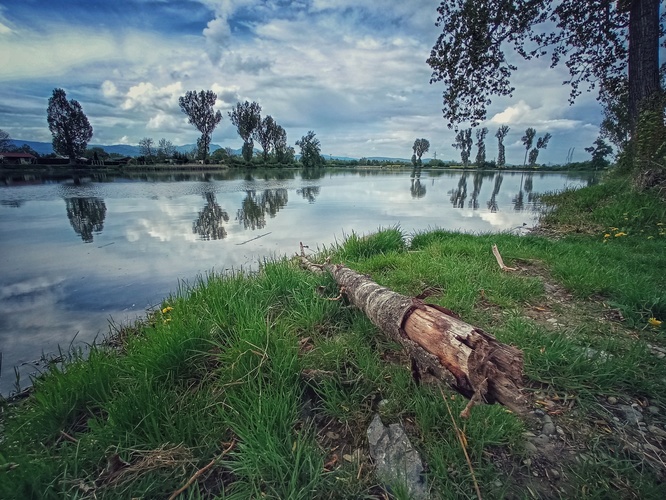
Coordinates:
[219,378]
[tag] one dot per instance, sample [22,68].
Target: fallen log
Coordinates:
[437,340]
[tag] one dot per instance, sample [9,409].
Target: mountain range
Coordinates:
[44,148]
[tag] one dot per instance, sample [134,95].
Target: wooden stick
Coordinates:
[497,255]
[199,472]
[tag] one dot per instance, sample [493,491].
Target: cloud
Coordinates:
[523,114]
[145,95]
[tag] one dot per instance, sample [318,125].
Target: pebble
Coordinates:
[541,440]
[548,429]
[530,448]
[632,415]
[559,431]
[527,462]
[555,473]
[612,400]
[656,430]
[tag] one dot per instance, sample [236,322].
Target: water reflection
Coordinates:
[459,194]
[210,222]
[309,193]
[418,190]
[252,214]
[86,215]
[492,203]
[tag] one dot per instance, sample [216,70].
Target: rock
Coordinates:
[611,400]
[541,440]
[530,448]
[395,458]
[332,435]
[548,429]
[631,414]
[554,473]
[559,430]
[657,431]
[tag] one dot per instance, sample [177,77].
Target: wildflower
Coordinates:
[607,235]
[614,228]
[620,234]
[654,322]
[167,309]
[660,223]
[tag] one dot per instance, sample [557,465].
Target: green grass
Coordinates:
[220,371]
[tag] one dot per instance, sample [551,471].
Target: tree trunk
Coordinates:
[439,342]
[643,55]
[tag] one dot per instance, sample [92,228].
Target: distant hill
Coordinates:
[45,148]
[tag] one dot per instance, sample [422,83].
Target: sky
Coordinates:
[353,71]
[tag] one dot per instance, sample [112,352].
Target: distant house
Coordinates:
[8,158]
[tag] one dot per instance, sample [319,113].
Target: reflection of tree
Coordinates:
[86,215]
[492,204]
[309,193]
[529,182]
[418,190]
[209,224]
[312,173]
[12,203]
[519,201]
[478,182]
[459,194]
[252,213]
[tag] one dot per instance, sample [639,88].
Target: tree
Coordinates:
[464,144]
[542,143]
[420,146]
[279,144]
[5,140]
[146,148]
[69,125]
[165,149]
[264,134]
[501,150]
[198,106]
[246,117]
[528,140]
[310,150]
[481,146]
[599,152]
[598,40]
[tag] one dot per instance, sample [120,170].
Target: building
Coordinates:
[8,158]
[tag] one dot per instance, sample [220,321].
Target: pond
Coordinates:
[75,256]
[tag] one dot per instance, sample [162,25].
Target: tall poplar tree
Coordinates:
[69,126]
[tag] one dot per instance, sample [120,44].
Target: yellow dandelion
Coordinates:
[617,235]
[654,322]
[167,309]
[614,228]
[607,235]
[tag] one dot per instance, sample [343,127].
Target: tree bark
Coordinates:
[643,71]
[438,341]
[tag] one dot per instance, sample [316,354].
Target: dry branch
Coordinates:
[437,340]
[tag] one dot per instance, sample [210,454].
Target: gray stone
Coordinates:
[631,414]
[555,473]
[541,440]
[654,410]
[657,431]
[396,460]
[612,400]
[530,448]
[548,429]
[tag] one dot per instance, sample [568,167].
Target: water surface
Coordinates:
[74,255]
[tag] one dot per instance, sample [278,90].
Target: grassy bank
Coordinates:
[268,387]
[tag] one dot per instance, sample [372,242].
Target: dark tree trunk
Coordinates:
[643,55]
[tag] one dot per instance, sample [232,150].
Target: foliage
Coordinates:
[528,140]
[501,150]
[420,146]
[542,143]
[481,146]
[310,150]
[283,153]
[591,37]
[599,152]
[5,140]
[464,144]
[146,148]
[264,134]
[198,106]
[165,149]
[69,125]
[246,117]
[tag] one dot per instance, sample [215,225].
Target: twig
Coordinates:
[462,445]
[500,261]
[256,238]
[68,437]
[478,394]
[199,472]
